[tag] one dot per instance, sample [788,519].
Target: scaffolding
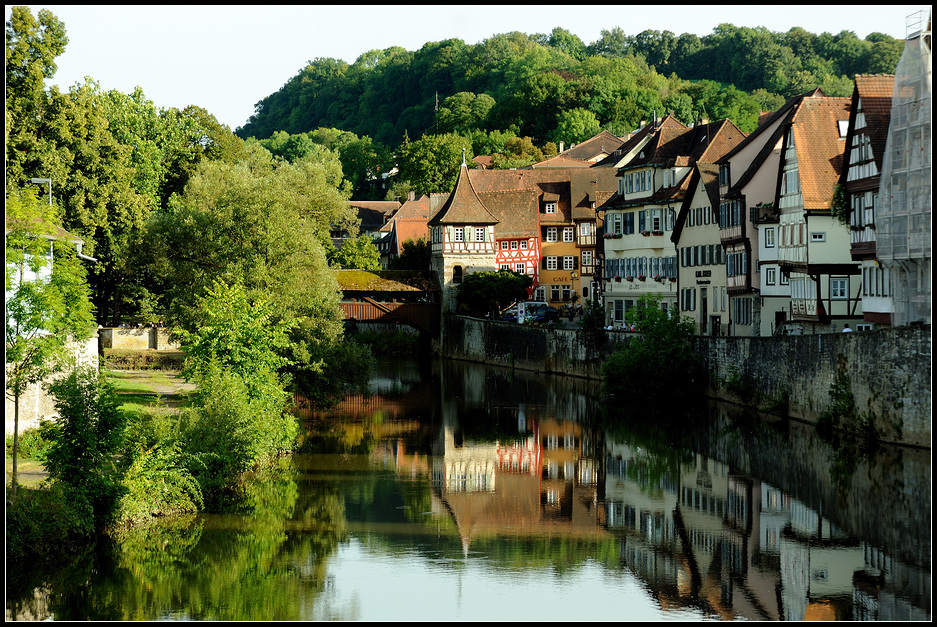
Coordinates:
[903,222]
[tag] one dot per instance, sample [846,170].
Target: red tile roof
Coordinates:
[819,148]
[602,143]
[517,210]
[875,92]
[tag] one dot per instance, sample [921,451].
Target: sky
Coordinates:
[227,58]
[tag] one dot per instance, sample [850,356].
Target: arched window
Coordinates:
[457,274]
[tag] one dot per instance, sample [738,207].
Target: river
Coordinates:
[462,492]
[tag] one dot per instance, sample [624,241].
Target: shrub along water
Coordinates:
[655,368]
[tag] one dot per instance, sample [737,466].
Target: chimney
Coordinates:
[704,121]
[562,144]
[411,195]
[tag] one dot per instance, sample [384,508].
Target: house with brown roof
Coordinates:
[869,116]
[559,209]
[462,238]
[813,246]
[409,223]
[771,185]
[652,186]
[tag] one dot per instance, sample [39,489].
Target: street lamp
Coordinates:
[43,182]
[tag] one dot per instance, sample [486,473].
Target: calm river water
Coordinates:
[459,492]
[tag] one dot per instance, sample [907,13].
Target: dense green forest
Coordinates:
[554,87]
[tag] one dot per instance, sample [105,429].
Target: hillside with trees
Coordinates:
[552,88]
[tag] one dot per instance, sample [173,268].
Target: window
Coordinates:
[769,238]
[742,310]
[504,245]
[586,258]
[615,224]
[523,244]
[457,274]
[724,174]
[554,292]
[629,223]
[520,268]
[505,266]
[569,263]
[839,288]
[550,207]
[480,234]
[569,234]
[785,280]
[457,234]
[818,237]
[585,229]
[514,245]
[656,220]
[770,276]
[566,293]
[551,234]
[551,263]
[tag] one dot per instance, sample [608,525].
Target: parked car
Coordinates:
[534,311]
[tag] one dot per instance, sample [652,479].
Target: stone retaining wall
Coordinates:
[889,369]
[136,339]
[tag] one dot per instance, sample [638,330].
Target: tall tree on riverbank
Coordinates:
[47,304]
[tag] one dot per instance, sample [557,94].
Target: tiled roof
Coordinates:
[875,92]
[407,229]
[416,209]
[603,142]
[463,205]
[373,214]
[561,161]
[483,161]
[517,211]
[569,187]
[819,148]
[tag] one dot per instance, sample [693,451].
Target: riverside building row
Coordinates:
[817,219]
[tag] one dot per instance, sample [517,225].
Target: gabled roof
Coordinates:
[517,211]
[595,148]
[373,214]
[483,161]
[708,173]
[561,161]
[463,205]
[875,92]
[573,189]
[819,148]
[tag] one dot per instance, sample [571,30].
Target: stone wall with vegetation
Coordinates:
[888,371]
[534,348]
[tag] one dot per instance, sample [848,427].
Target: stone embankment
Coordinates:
[889,369]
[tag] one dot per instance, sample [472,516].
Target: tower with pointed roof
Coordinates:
[462,235]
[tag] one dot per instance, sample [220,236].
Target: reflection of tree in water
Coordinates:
[264,563]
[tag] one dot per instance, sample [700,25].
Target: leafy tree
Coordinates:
[359,253]
[431,163]
[487,293]
[567,42]
[84,438]
[235,356]
[464,111]
[518,153]
[611,43]
[664,340]
[413,256]
[47,305]
[575,126]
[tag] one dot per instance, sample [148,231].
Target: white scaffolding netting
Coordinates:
[903,222]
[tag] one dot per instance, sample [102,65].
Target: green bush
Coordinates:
[233,427]
[84,439]
[157,483]
[33,442]
[657,363]
[44,523]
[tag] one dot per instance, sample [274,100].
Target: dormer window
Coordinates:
[550,207]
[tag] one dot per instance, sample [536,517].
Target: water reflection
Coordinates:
[458,492]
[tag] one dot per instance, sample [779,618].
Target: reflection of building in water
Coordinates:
[701,535]
[536,483]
